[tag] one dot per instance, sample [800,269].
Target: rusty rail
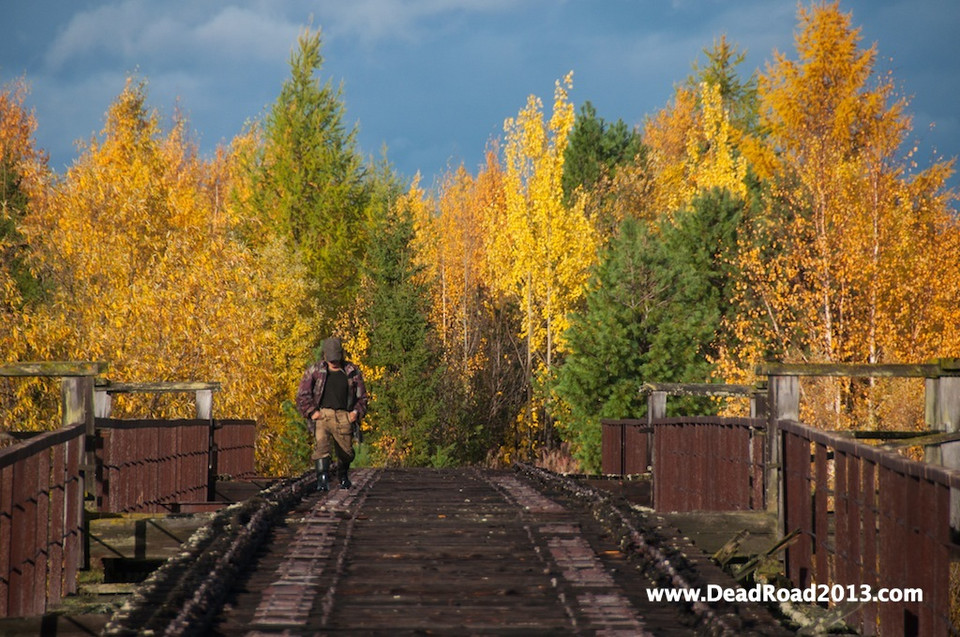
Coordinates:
[708,464]
[41,521]
[869,517]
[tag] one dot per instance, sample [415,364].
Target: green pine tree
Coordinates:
[406,405]
[653,312]
[603,371]
[310,180]
[13,251]
[595,149]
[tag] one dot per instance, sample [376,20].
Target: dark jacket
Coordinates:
[313,381]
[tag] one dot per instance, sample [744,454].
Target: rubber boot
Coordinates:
[344,469]
[323,474]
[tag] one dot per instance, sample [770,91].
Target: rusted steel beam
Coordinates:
[234,441]
[821,494]
[705,463]
[57,524]
[869,490]
[797,507]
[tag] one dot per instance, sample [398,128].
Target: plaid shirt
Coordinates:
[313,381]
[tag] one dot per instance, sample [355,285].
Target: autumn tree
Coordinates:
[476,325]
[739,95]
[406,416]
[23,179]
[308,180]
[851,255]
[543,249]
[21,167]
[144,272]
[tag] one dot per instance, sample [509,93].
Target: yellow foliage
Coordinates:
[452,249]
[139,245]
[693,149]
[852,258]
[542,250]
[713,162]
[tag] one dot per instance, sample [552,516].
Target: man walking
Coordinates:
[333,399]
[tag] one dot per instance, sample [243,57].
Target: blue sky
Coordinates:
[433,80]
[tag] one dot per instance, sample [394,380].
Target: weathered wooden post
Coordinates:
[204,403]
[656,408]
[203,399]
[943,414]
[102,402]
[76,396]
[783,403]
[656,405]
[759,397]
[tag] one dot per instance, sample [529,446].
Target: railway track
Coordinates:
[433,552]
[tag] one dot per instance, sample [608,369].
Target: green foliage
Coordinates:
[294,440]
[595,150]
[653,310]
[698,257]
[309,181]
[602,374]
[444,456]
[13,248]
[405,412]
[364,457]
[739,96]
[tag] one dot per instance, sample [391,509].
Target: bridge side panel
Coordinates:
[706,464]
[890,528]
[235,448]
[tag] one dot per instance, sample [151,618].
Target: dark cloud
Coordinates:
[432,79]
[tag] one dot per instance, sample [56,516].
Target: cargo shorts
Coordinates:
[334,428]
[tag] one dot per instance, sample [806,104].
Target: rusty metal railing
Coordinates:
[146,466]
[625,446]
[233,443]
[869,517]
[41,521]
[708,464]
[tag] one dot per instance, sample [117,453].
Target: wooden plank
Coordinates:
[53,368]
[157,387]
[698,389]
[849,370]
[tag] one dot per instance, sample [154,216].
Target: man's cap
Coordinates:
[332,350]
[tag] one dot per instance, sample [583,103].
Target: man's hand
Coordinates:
[353,416]
[316,415]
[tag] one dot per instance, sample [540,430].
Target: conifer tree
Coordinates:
[309,181]
[653,310]
[595,149]
[405,413]
[18,161]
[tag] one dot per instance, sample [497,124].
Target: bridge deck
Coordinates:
[419,551]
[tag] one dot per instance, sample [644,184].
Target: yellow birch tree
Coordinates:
[543,250]
[850,257]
